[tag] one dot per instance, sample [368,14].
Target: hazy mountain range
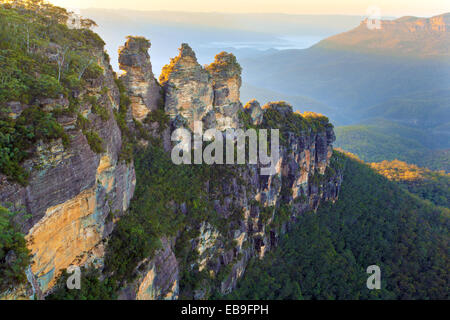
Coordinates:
[244,35]
[391,86]
[406,36]
[90,192]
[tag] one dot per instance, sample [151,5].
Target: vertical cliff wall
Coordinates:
[255,208]
[77,192]
[74,194]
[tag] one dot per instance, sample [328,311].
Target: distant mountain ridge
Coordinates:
[388,87]
[412,36]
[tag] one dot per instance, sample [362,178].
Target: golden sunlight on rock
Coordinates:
[66,232]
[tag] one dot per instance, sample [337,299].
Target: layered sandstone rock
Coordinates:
[188,87]
[208,94]
[226,75]
[158,277]
[300,184]
[142,87]
[73,194]
[211,95]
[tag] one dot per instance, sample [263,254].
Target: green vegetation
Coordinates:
[423,110]
[97,108]
[223,63]
[40,58]
[427,184]
[39,55]
[326,254]
[92,288]
[94,141]
[14,255]
[292,122]
[385,140]
[18,138]
[323,257]
[154,214]
[159,116]
[126,152]
[141,42]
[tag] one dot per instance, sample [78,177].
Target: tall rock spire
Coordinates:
[188,87]
[138,78]
[209,94]
[226,74]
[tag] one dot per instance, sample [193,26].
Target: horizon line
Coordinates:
[260,13]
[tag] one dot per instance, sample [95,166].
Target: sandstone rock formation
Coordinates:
[142,87]
[188,87]
[304,158]
[254,110]
[303,180]
[226,75]
[74,194]
[208,94]
[159,278]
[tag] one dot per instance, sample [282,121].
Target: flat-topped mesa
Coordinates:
[438,23]
[139,80]
[209,94]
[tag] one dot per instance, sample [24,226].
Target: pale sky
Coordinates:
[423,8]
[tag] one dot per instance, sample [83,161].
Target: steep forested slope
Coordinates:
[63,174]
[326,254]
[43,63]
[429,185]
[382,139]
[87,180]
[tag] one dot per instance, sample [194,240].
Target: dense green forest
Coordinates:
[381,139]
[14,255]
[153,214]
[429,185]
[156,212]
[375,222]
[325,254]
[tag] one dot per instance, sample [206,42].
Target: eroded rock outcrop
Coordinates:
[226,76]
[209,94]
[188,87]
[142,87]
[256,208]
[76,195]
[254,110]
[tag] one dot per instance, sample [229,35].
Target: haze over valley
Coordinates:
[120,130]
[398,76]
